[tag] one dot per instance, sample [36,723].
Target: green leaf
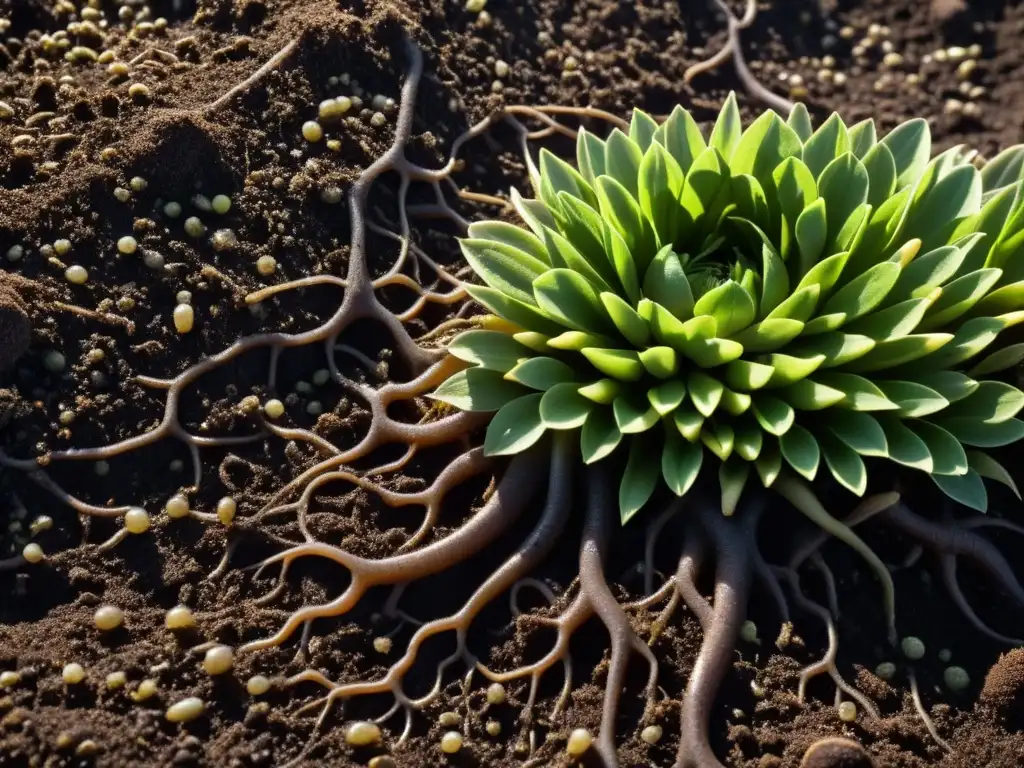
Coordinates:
[774,282]
[688,421]
[666,397]
[774,415]
[905,447]
[681,136]
[795,190]
[569,298]
[894,352]
[935,210]
[660,362]
[477,389]
[575,341]
[911,147]
[986,466]
[639,480]
[633,327]
[830,141]
[991,403]
[946,451]
[504,268]
[825,274]
[837,347]
[622,211]
[769,334]
[515,311]
[602,391]
[881,168]
[1005,358]
[800,121]
[915,400]
[959,296]
[558,176]
[622,158]
[800,450]
[745,375]
[534,212]
[844,185]
[719,438]
[725,136]
[600,436]
[541,373]
[749,440]
[732,307]
[862,137]
[1008,298]
[660,189]
[666,283]
[680,464]
[894,322]
[952,385]
[705,392]
[642,129]
[968,489]
[735,403]
[769,464]
[811,236]
[511,236]
[705,194]
[493,350]
[927,272]
[620,364]
[789,368]
[864,292]
[622,262]
[807,395]
[861,394]
[589,155]
[565,255]
[763,145]
[1004,169]
[633,415]
[970,338]
[515,427]
[732,476]
[981,435]
[535,342]
[860,431]
[846,466]
[562,407]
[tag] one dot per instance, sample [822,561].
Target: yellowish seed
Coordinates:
[493,728]
[221,204]
[40,524]
[62,246]
[362,734]
[194,227]
[226,509]
[116,680]
[179,617]
[76,274]
[118,69]
[146,690]
[184,318]
[138,91]
[218,660]
[651,734]
[274,408]
[495,693]
[127,244]
[224,240]
[185,710]
[847,711]
[579,742]
[177,507]
[451,742]
[449,719]
[311,131]
[266,265]
[9,679]
[475,6]
[136,520]
[257,685]
[108,617]
[33,553]
[73,673]
[382,644]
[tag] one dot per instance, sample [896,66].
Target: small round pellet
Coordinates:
[76,274]
[651,734]
[847,711]
[127,244]
[183,297]
[73,673]
[579,742]
[116,680]
[748,632]
[9,679]
[62,246]
[362,734]
[218,660]
[913,648]
[257,685]
[108,617]
[274,408]
[184,318]
[33,553]
[221,204]
[886,670]
[179,617]
[266,265]
[136,520]
[40,524]
[194,227]
[54,361]
[382,644]
[451,742]
[956,678]
[330,195]
[226,509]
[138,183]
[224,240]
[185,710]
[493,728]
[449,719]
[378,120]
[945,655]
[495,693]
[138,91]
[321,377]
[172,210]
[147,689]
[177,507]
[311,131]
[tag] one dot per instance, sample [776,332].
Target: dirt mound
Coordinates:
[15,328]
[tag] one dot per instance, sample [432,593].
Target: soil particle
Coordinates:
[836,753]
[15,326]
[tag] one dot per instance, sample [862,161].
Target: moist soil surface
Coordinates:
[87,159]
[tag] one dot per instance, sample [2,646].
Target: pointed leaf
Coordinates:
[602,392]
[504,268]
[774,415]
[599,436]
[705,392]
[621,364]
[493,350]
[829,142]
[991,403]
[633,327]
[477,389]
[666,284]
[732,476]
[911,147]
[622,159]
[515,427]
[638,481]
[800,450]
[980,435]
[632,415]
[730,305]
[541,373]
[681,136]
[861,394]
[860,431]
[666,397]
[967,489]
[986,466]
[569,298]
[946,451]
[725,136]
[515,311]
[680,464]
[845,464]
[905,447]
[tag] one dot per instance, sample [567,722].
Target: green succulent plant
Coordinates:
[763,297]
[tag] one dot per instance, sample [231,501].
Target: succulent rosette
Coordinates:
[757,301]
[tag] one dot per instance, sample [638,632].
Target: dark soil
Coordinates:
[60,184]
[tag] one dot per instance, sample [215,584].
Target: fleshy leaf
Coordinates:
[680,463]
[732,476]
[801,451]
[515,427]
[599,436]
[477,389]
[984,465]
[569,298]
[639,480]
[493,350]
[541,373]
[730,305]
[967,489]
[562,407]
[705,392]
[845,464]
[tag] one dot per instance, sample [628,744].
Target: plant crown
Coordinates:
[771,296]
